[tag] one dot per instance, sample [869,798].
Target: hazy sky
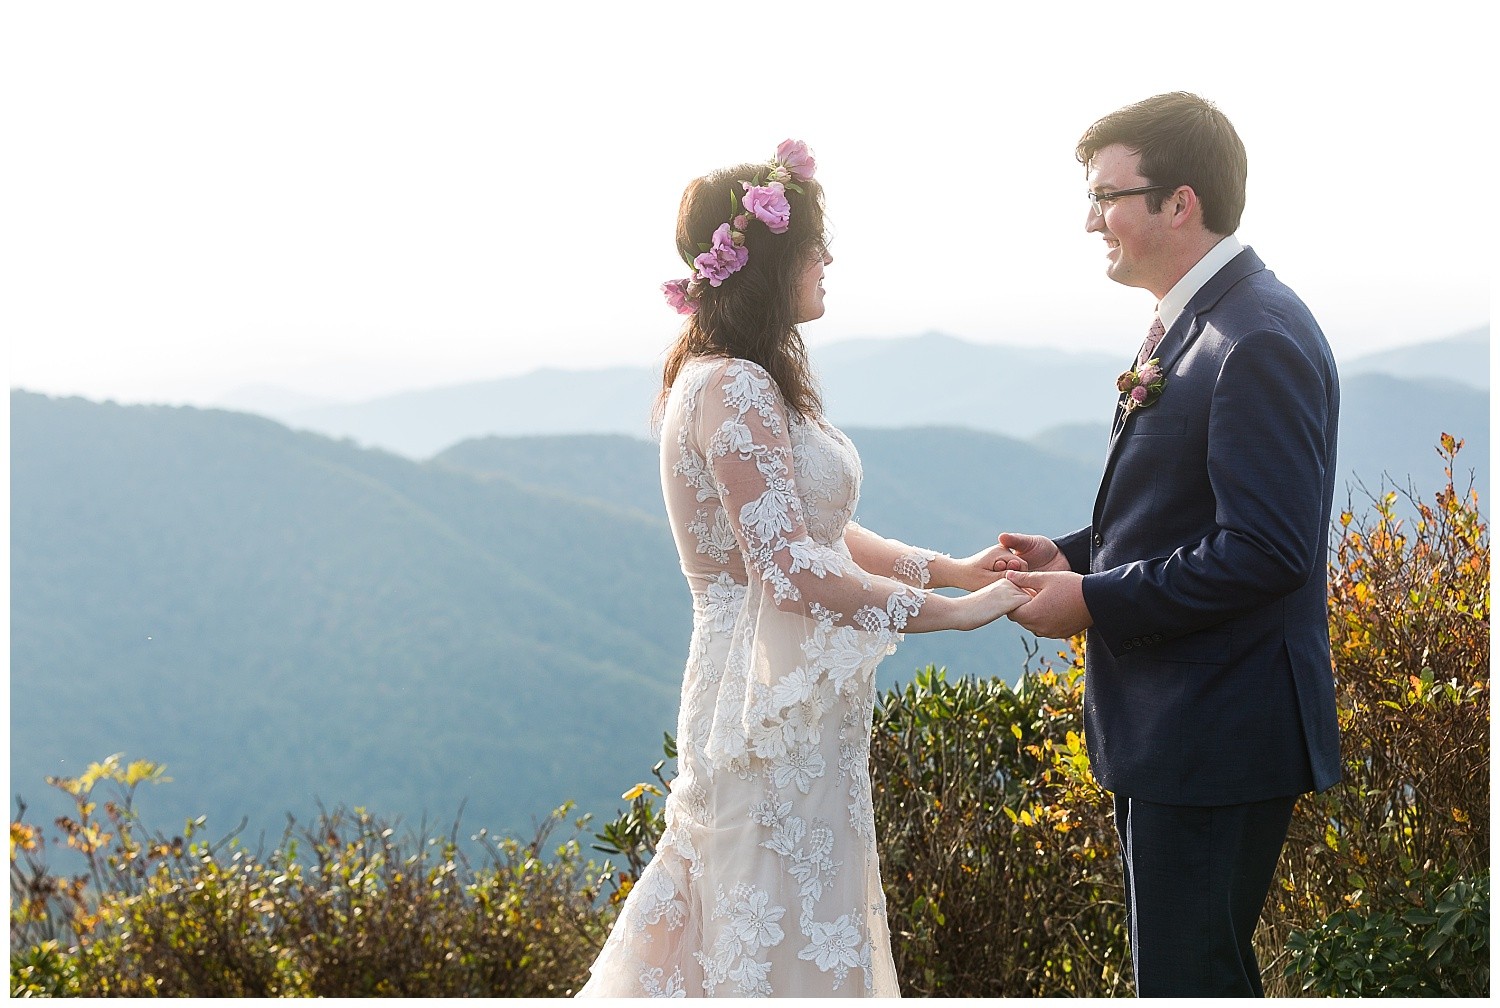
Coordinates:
[354,198]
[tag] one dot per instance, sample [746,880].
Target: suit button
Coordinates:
[1098,539]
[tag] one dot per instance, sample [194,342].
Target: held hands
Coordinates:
[1055,606]
[1023,576]
[983,577]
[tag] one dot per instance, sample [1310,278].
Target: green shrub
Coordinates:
[1439,948]
[995,840]
[43,970]
[341,908]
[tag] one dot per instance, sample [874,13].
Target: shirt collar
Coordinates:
[1183,290]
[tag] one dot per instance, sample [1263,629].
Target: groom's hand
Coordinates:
[1057,608]
[1037,552]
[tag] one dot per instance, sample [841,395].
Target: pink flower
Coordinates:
[723,259]
[768,204]
[1142,387]
[796,158]
[676,292]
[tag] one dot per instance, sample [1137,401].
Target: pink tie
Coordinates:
[1153,338]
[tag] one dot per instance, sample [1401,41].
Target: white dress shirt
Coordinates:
[1183,290]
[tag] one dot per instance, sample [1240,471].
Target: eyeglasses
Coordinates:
[1098,199]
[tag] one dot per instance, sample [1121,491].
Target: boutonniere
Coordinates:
[1143,386]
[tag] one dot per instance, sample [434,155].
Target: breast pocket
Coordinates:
[1151,424]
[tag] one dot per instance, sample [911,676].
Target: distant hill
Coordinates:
[269,400]
[606,467]
[550,401]
[1390,426]
[1464,359]
[281,617]
[937,380]
[918,381]
[869,383]
[948,489]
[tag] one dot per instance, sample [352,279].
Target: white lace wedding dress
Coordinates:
[766,880]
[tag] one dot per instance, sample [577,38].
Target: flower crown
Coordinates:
[726,254]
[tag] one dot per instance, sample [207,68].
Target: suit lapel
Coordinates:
[1175,343]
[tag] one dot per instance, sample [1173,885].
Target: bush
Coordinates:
[995,840]
[1437,949]
[1384,886]
[339,909]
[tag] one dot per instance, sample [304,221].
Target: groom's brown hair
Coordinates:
[1182,140]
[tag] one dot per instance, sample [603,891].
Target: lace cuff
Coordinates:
[912,567]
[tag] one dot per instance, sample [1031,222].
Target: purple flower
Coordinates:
[1139,393]
[1149,375]
[794,156]
[723,259]
[768,204]
[676,292]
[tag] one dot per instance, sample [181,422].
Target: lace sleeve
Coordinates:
[877,553]
[742,430]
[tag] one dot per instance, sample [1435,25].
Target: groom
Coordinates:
[1202,580]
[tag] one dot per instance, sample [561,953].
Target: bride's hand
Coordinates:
[983,568]
[991,602]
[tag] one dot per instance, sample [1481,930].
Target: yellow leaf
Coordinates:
[97,771]
[23,837]
[145,770]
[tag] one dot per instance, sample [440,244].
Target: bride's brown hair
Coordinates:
[751,315]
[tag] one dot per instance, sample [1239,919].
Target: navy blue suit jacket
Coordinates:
[1208,677]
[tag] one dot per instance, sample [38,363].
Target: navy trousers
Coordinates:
[1196,879]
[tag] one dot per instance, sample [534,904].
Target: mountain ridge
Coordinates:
[932,378]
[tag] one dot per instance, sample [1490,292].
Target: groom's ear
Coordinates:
[1183,207]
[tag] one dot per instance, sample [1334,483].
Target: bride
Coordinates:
[766,881]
